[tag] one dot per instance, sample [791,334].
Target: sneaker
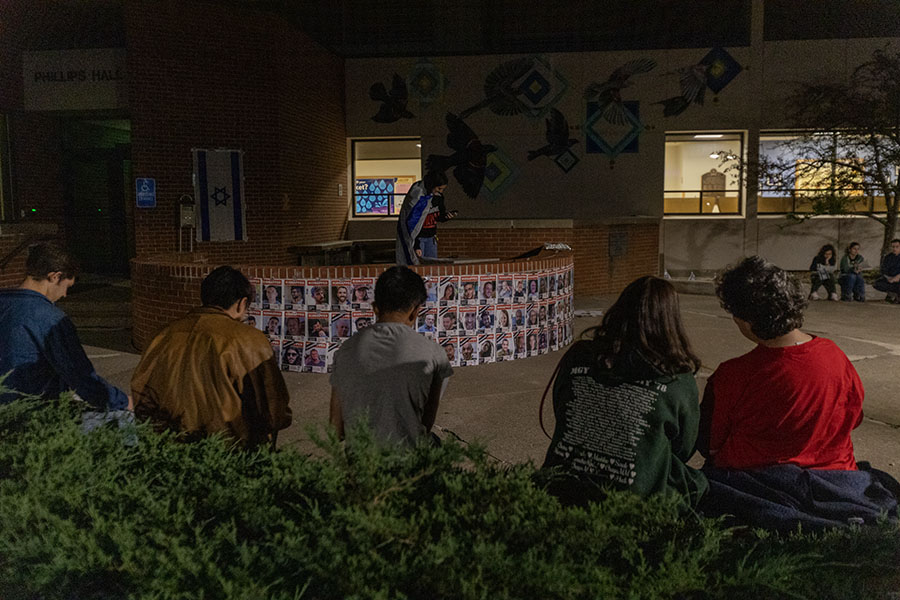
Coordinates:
[833,297]
[813,296]
[891,298]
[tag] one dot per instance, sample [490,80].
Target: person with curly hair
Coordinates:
[823,273]
[626,403]
[776,422]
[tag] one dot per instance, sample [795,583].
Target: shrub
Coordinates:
[88,516]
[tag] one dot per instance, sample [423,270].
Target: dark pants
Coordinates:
[817,282]
[853,287]
[882,285]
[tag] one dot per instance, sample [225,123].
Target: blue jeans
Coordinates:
[428,246]
[853,287]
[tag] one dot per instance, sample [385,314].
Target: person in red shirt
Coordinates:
[794,399]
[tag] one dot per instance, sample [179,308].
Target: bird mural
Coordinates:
[469,157]
[692,81]
[502,89]
[393,102]
[558,140]
[608,94]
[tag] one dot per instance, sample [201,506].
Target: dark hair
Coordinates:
[850,246]
[897,240]
[822,252]
[398,289]
[764,295]
[646,319]
[44,259]
[434,179]
[223,287]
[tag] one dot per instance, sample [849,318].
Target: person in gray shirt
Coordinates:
[387,374]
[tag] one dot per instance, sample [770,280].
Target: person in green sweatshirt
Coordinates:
[626,403]
[853,286]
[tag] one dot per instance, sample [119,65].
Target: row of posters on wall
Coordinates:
[476,319]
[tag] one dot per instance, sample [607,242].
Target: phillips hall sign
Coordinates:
[86,79]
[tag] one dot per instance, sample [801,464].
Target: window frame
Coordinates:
[352,194]
[741,187]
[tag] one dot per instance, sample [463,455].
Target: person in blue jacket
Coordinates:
[422,209]
[40,353]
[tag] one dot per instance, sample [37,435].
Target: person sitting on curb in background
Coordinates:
[387,375]
[776,422]
[853,286]
[39,346]
[210,373]
[626,403]
[890,274]
[823,273]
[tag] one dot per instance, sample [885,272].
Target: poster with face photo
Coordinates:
[255,294]
[294,325]
[504,289]
[486,319]
[340,325]
[271,294]
[314,356]
[531,316]
[531,341]
[432,286]
[519,316]
[294,294]
[553,332]
[276,350]
[468,320]
[317,293]
[551,282]
[272,323]
[448,322]
[427,321]
[561,281]
[318,325]
[502,320]
[519,343]
[486,348]
[468,290]
[505,347]
[520,287]
[449,291]
[559,311]
[340,294]
[543,342]
[254,319]
[487,289]
[468,352]
[551,311]
[544,284]
[542,312]
[570,280]
[362,319]
[363,292]
[292,356]
[534,283]
[450,346]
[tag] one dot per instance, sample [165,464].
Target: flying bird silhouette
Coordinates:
[558,140]
[692,81]
[608,94]
[502,89]
[393,103]
[468,159]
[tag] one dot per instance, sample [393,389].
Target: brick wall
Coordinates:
[166,287]
[210,75]
[14,250]
[596,272]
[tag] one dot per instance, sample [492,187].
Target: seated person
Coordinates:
[853,286]
[890,274]
[388,375]
[822,273]
[39,346]
[779,418]
[208,372]
[626,403]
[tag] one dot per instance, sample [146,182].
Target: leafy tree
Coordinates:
[846,156]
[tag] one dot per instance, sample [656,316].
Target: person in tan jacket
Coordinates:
[211,373]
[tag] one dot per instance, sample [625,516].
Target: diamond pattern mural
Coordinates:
[499,173]
[606,138]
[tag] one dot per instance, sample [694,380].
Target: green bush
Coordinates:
[88,516]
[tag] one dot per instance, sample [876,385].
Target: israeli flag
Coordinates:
[219,190]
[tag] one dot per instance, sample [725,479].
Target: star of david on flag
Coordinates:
[219,190]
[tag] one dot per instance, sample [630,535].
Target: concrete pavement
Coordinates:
[498,404]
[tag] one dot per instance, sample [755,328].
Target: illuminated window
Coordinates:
[383,171]
[817,172]
[703,173]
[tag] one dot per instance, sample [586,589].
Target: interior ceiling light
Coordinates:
[730,156]
[707,136]
[418,145]
[714,155]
